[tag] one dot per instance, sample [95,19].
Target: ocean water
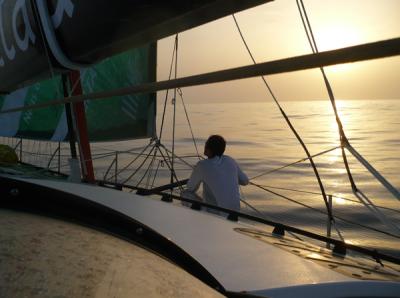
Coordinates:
[261,141]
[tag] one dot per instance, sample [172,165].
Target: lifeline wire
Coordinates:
[333,196]
[323,212]
[293,163]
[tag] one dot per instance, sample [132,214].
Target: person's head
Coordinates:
[215,146]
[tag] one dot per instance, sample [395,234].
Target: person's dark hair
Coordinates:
[216,144]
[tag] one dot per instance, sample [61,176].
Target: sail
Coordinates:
[116,118]
[123,117]
[42,39]
[67,34]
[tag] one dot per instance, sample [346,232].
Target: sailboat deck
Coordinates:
[29,170]
[238,256]
[44,257]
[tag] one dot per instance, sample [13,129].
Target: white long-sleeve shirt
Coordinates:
[221,177]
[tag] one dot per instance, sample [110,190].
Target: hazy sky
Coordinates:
[274,31]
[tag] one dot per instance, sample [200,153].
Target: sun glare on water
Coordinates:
[339,200]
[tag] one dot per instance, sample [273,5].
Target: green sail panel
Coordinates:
[36,124]
[111,119]
[123,117]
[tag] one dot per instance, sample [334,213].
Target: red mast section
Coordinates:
[81,126]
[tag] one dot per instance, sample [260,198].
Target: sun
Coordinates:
[335,36]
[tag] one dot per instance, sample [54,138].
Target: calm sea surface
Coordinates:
[258,137]
[260,140]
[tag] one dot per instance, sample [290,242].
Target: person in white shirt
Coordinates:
[220,175]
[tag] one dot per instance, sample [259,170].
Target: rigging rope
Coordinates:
[139,167]
[325,213]
[168,165]
[373,171]
[289,123]
[188,120]
[293,163]
[178,157]
[334,196]
[343,139]
[332,220]
[260,214]
[311,39]
[167,92]
[148,168]
[132,161]
[169,161]
[151,167]
[155,174]
[174,112]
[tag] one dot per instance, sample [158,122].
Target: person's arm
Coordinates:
[194,180]
[243,179]
[192,186]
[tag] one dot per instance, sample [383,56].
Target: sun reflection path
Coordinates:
[337,199]
[342,106]
[334,156]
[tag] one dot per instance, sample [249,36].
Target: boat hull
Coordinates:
[226,255]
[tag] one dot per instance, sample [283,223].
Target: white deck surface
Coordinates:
[238,262]
[45,258]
